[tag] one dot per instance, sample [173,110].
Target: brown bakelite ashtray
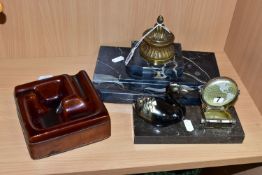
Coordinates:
[61,113]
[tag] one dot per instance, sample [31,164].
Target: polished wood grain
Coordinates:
[244,46]
[56,117]
[118,154]
[78,27]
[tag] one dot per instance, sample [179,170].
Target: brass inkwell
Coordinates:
[153,56]
[157,47]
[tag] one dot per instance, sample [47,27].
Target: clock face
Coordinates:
[220,91]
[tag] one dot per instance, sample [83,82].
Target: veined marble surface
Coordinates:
[117,86]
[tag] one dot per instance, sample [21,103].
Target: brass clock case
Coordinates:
[218,95]
[220,92]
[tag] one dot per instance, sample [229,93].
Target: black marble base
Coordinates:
[142,71]
[145,133]
[115,85]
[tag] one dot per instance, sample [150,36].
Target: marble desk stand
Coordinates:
[115,85]
[145,133]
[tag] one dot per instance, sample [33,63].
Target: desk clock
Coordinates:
[218,96]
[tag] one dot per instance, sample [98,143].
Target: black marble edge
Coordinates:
[187,140]
[236,138]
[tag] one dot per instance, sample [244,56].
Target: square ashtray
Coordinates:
[61,113]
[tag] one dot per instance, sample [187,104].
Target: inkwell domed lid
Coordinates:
[157,47]
[159,37]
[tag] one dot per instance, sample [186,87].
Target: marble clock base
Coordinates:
[145,133]
[115,85]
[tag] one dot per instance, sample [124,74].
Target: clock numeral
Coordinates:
[218,100]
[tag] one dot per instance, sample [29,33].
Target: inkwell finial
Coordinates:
[160,19]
